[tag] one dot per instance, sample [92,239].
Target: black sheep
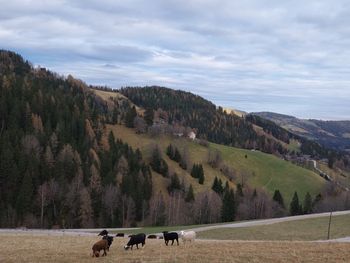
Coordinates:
[119,235]
[103,233]
[170,236]
[136,240]
[152,236]
[109,240]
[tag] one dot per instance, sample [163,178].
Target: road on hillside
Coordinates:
[268,221]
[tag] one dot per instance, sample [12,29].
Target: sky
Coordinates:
[291,57]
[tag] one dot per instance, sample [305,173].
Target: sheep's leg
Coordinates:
[137,246]
[177,240]
[104,252]
[172,242]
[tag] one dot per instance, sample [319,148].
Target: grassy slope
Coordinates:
[306,229]
[59,249]
[263,170]
[197,152]
[272,172]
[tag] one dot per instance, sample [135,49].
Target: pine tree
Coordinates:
[295,205]
[194,171]
[307,204]
[130,116]
[215,186]
[228,211]
[277,197]
[190,195]
[177,155]
[239,190]
[201,177]
[149,115]
[170,151]
[174,183]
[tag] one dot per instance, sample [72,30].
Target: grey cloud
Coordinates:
[290,54]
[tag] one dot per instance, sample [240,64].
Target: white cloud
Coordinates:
[290,54]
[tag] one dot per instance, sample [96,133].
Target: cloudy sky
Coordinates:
[290,57]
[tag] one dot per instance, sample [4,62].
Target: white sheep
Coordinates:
[188,236]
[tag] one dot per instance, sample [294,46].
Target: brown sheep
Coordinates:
[98,246]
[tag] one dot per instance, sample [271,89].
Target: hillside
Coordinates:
[74,155]
[259,169]
[209,122]
[334,134]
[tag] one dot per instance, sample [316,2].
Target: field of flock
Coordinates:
[49,248]
[278,242]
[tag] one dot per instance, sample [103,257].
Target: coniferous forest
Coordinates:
[53,167]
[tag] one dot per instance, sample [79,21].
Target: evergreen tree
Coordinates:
[228,211]
[190,195]
[130,116]
[277,197]
[158,164]
[175,183]
[194,171]
[307,204]
[239,190]
[24,197]
[149,115]
[295,205]
[317,199]
[177,155]
[170,151]
[216,186]
[201,177]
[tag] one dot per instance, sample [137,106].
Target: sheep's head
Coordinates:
[182,233]
[97,254]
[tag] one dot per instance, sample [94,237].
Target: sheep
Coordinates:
[152,236]
[98,246]
[136,240]
[188,236]
[103,233]
[109,241]
[170,236]
[119,235]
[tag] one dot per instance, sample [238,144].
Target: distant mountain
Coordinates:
[333,134]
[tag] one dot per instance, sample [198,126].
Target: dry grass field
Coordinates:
[17,248]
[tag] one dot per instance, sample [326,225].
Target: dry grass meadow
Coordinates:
[16,248]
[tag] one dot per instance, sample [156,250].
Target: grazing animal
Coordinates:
[170,236]
[119,235]
[109,240]
[188,236]
[103,233]
[152,236]
[136,240]
[98,246]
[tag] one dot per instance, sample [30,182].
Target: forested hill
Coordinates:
[333,134]
[210,123]
[53,169]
